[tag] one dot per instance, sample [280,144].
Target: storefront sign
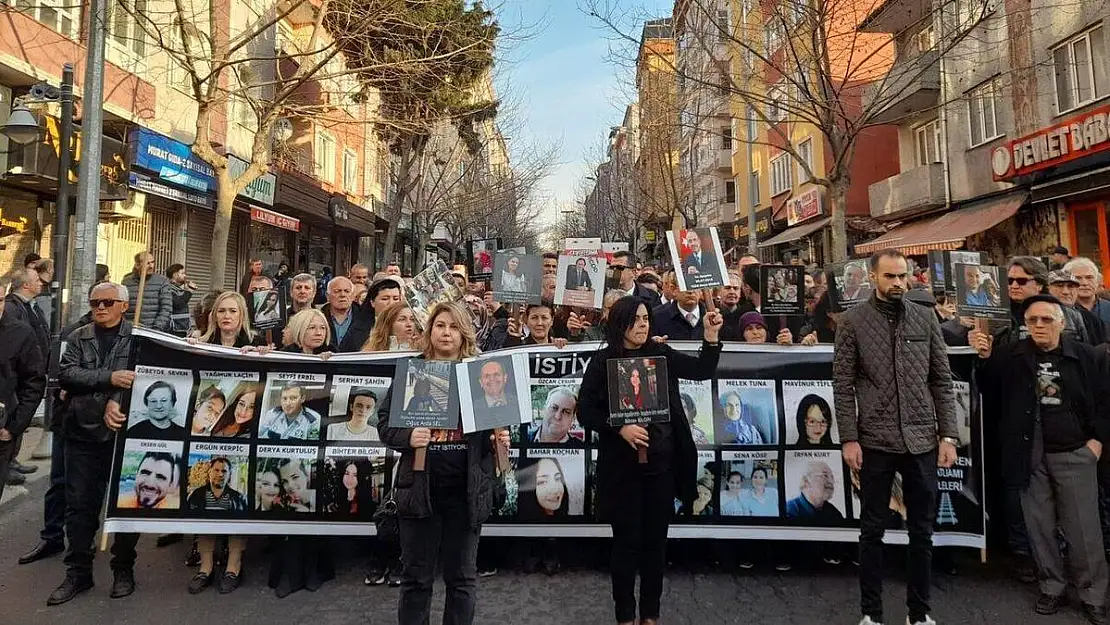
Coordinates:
[762,226]
[1071,139]
[339,209]
[172,161]
[272,218]
[18,225]
[146,184]
[260,190]
[803,207]
[40,159]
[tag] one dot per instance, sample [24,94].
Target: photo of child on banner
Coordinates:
[782,290]
[481,252]
[424,395]
[517,278]
[580,278]
[268,309]
[979,292]
[698,259]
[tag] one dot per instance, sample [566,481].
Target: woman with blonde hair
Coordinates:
[308,332]
[229,326]
[394,330]
[441,509]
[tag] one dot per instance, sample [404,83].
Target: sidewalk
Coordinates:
[38,481]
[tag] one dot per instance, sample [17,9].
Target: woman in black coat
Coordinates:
[638,500]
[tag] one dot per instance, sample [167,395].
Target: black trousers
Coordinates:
[640,545]
[919,488]
[54,504]
[8,451]
[87,467]
[446,539]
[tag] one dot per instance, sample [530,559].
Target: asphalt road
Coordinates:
[696,593]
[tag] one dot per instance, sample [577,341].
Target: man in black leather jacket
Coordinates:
[95,370]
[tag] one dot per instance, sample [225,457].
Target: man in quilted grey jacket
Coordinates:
[157,294]
[896,412]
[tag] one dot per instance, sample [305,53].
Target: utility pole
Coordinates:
[88,175]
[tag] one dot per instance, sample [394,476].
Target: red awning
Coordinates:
[948,231]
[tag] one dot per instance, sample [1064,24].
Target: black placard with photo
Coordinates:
[638,391]
[425,395]
[480,253]
[979,292]
[953,258]
[517,278]
[937,271]
[782,290]
[268,309]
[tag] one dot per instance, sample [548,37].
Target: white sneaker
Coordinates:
[867,621]
[928,621]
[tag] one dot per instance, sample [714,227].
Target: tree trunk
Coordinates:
[838,201]
[225,202]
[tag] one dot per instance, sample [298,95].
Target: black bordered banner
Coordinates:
[285,444]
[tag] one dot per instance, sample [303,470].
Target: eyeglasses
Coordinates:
[1039,321]
[103,303]
[1019,281]
[618,267]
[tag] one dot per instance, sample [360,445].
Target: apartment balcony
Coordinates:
[724,160]
[894,16]
[912,85]
[907,194]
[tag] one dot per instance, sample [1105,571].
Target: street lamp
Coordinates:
[22,127]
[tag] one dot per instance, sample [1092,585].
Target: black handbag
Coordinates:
[385,520]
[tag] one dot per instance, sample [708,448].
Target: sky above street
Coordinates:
[561,85]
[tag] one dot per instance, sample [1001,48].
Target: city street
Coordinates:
[693,595]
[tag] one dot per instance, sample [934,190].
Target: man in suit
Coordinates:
[681,319]
[496,405]
[698,261]
[578,278]
[25,287]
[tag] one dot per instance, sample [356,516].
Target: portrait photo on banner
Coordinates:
[749,484]
[813,481]
[292,407]
[150,475]
[698,258]
[553,412]
[425,395]
[268,309]
[353,410]
[551,485]
[638,391]
[517,278]
[705,500]
[226,404]
[218,476]
[285,479]
[810,421]
[159,402]
[981,292]
[352,482]
[747,413]
[697,402]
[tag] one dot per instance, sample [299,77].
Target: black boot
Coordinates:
[123,584]
[44,549]
[70,588]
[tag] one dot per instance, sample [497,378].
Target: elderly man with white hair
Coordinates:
[1088,276]
[95,372]
[1052,425]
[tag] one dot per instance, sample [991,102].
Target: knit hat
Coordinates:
[751,318]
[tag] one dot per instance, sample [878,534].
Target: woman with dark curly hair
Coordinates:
[814,422]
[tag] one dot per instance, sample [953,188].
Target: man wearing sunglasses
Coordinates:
[95,372]
[624,266]
[1052,423]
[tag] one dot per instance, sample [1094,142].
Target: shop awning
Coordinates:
[797,232]
[948,231]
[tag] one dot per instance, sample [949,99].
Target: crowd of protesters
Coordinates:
[1050,488]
